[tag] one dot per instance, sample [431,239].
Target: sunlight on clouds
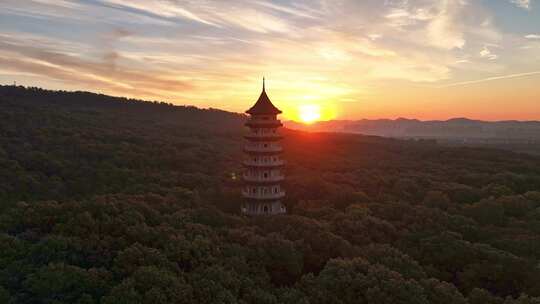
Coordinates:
[217,13]
[306,13]
[486,53]
[526,4]
[345,57]
[334,54]
[91,76]
[254,20]
[445,30]
[162,8]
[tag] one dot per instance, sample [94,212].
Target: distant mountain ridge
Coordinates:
[451,129]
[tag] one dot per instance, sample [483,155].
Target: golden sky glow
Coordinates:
[348,59]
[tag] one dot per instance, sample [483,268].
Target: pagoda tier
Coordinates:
[262,176]
[264,162]
[263,137]
[261,147]
[263,191]
[263,196]
[263,124]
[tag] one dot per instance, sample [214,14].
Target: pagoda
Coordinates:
[263,191]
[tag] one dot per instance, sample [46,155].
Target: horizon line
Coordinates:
[289,120]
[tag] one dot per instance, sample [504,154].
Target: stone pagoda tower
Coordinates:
[263,176]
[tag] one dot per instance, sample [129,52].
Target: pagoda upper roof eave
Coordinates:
[263,106]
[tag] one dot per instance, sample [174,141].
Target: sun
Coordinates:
[309,113]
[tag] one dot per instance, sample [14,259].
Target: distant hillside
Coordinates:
[515,135]
[152,112]
[458,128]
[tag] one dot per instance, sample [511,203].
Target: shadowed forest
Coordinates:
[112,200]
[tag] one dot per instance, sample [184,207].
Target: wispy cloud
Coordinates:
[486,53]
[533,37]
[251,16]
[71,68]
[295,11]
[525,4]
[444,30]
[501,77]
[159,8]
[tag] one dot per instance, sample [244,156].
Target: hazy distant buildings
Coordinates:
[263,176]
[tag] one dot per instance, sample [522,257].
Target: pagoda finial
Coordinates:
[263,84]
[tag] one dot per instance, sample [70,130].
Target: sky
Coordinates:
[348,59]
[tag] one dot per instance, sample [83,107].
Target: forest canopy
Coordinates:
[113,200]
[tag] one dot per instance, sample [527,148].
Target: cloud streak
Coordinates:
[525,4]
[486,53]
[533,37]
[488,79]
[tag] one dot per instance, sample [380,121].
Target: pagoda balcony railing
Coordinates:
[262,149]
[263,123]
[260,210]
[278,195]
[275,163]
[263,136]
[260,178]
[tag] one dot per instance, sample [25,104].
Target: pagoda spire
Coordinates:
[263,105]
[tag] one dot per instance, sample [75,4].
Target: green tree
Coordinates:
[151,285]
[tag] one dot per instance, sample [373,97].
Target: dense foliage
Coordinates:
[108,200]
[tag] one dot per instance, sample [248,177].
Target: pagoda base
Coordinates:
[263,208]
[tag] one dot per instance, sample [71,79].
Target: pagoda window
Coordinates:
[265,175]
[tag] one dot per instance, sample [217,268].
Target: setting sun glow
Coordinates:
[309,113]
